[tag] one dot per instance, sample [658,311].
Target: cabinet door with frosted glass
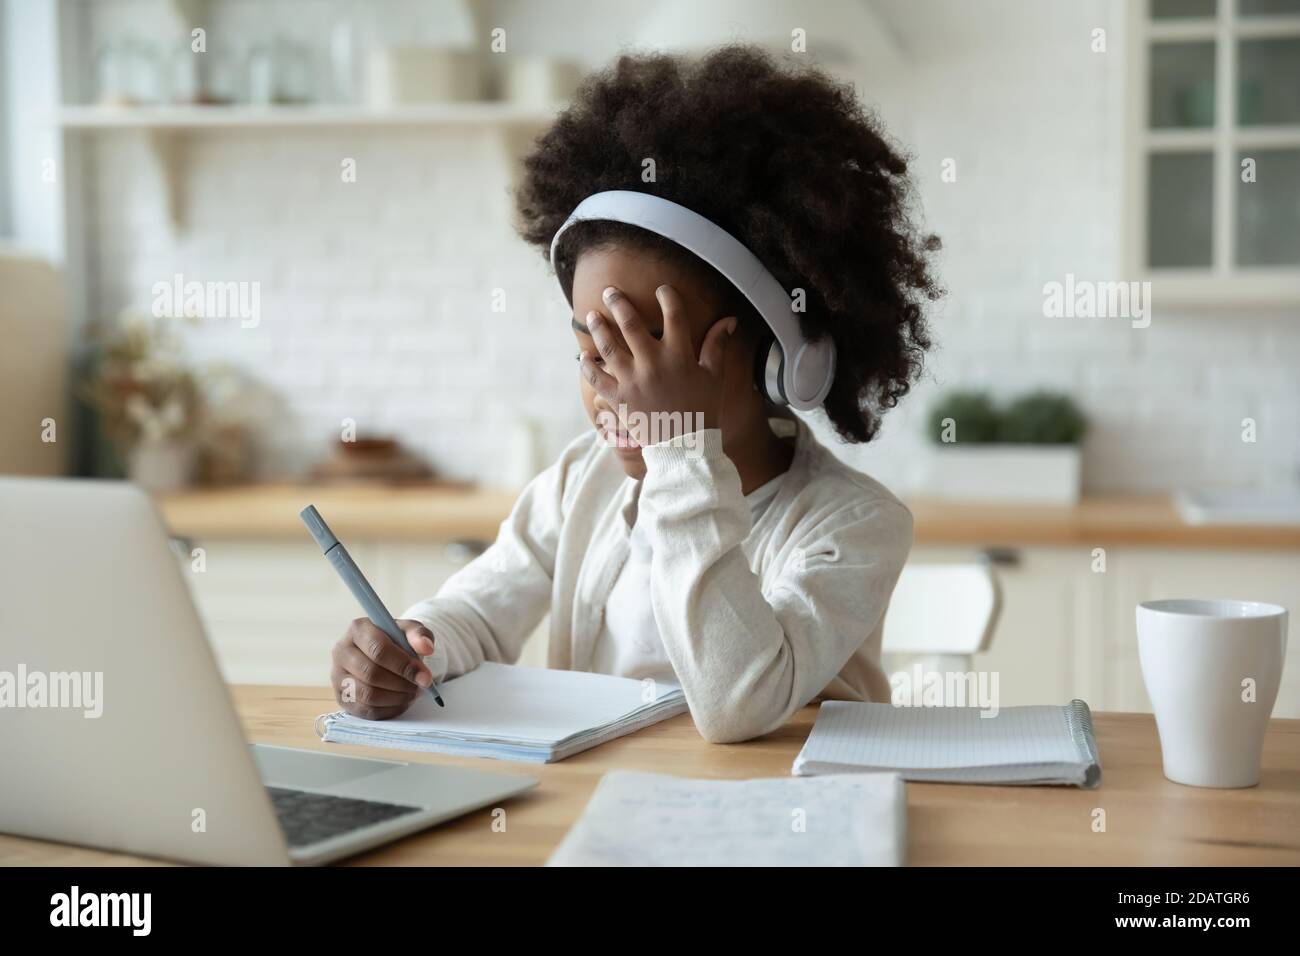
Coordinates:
[1214,160]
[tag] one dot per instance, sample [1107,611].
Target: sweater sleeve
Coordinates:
[750,653]
[487,609]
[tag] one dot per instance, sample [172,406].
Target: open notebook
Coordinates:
[1021,745]
[650,819]
[516,713]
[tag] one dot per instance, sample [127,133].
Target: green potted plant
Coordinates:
[1027,450]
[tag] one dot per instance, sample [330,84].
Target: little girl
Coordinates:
[699,533]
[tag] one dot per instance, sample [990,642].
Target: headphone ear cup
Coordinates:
[769,372]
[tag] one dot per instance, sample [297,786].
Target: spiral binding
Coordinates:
[1079,718]
[327,718]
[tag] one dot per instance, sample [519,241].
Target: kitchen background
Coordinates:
[1049,139]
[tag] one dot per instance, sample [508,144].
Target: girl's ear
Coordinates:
[719,345]
[758,347]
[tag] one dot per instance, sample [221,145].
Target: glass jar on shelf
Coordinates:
[219,83]
[184,83]
[110,78]
[294,68]
[141,73]
[259,74]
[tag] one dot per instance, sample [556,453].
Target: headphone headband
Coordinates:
[807,368]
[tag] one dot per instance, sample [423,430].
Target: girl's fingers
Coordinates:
[375,644]
[359,692]
[607,343]
[635,334]
[360,666]
[418,636]
[677,331]
[715,344]
[604,384]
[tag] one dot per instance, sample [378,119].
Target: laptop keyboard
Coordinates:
[308,818]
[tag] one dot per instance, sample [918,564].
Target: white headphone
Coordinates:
[795,372]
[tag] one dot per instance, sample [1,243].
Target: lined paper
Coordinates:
[517,713]
[648,819]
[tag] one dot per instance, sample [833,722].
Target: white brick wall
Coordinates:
[376,296]
[1035,121]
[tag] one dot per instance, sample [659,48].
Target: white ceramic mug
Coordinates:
[1212,670]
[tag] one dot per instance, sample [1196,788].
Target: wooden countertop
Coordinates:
[1093,522]
[449,512]
[1150,821]
[414,512]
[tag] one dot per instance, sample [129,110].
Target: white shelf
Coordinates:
[489,114]
[1207,137]
[166,127]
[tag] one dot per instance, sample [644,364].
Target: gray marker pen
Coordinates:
[338,556]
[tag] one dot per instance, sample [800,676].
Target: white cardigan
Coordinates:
[756,621]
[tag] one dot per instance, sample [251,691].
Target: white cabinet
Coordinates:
[273,609]
[1243,575]
[1053,605]
[1068,628]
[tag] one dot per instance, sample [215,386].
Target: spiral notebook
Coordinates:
[506,712]
[1026,746]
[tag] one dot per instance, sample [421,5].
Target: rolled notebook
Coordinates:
[1037,744]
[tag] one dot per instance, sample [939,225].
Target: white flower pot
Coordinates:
[1032,474]
[161,466]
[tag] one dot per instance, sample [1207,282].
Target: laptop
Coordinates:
[117,731]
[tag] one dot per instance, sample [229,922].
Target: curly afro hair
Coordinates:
[787,161]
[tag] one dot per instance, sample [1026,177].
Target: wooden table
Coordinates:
[1149,821]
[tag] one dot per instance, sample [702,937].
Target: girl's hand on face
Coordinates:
[659,389]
